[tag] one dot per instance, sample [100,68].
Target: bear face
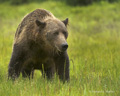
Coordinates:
[54,34]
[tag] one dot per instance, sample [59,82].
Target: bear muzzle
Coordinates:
[64,46]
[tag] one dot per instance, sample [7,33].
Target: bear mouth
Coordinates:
[62,48]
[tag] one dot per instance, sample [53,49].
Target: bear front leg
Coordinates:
[48,69]
[15,64]
[62,66]
[14,68]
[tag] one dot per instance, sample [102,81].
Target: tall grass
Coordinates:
[94,51]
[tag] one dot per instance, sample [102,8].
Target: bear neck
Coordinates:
[39,50]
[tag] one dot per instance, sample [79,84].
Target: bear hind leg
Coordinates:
[48,73]
[27,73]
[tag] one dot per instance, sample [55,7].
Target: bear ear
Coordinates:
[65,21]
[41,24]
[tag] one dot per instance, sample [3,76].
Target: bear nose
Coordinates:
[64,46]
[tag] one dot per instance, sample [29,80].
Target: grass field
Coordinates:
[94,50]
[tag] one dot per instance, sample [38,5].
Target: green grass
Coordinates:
[94,50]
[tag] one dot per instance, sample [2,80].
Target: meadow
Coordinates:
[94,50]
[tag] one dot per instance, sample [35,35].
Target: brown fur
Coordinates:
[37,45]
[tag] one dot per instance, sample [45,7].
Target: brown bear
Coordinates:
[40,43]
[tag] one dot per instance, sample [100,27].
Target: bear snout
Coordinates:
[64,46]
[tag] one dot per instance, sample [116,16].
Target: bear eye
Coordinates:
[56,33]
[65,33]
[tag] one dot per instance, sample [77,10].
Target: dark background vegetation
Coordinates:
[70,2]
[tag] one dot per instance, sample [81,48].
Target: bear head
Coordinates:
[53,33]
